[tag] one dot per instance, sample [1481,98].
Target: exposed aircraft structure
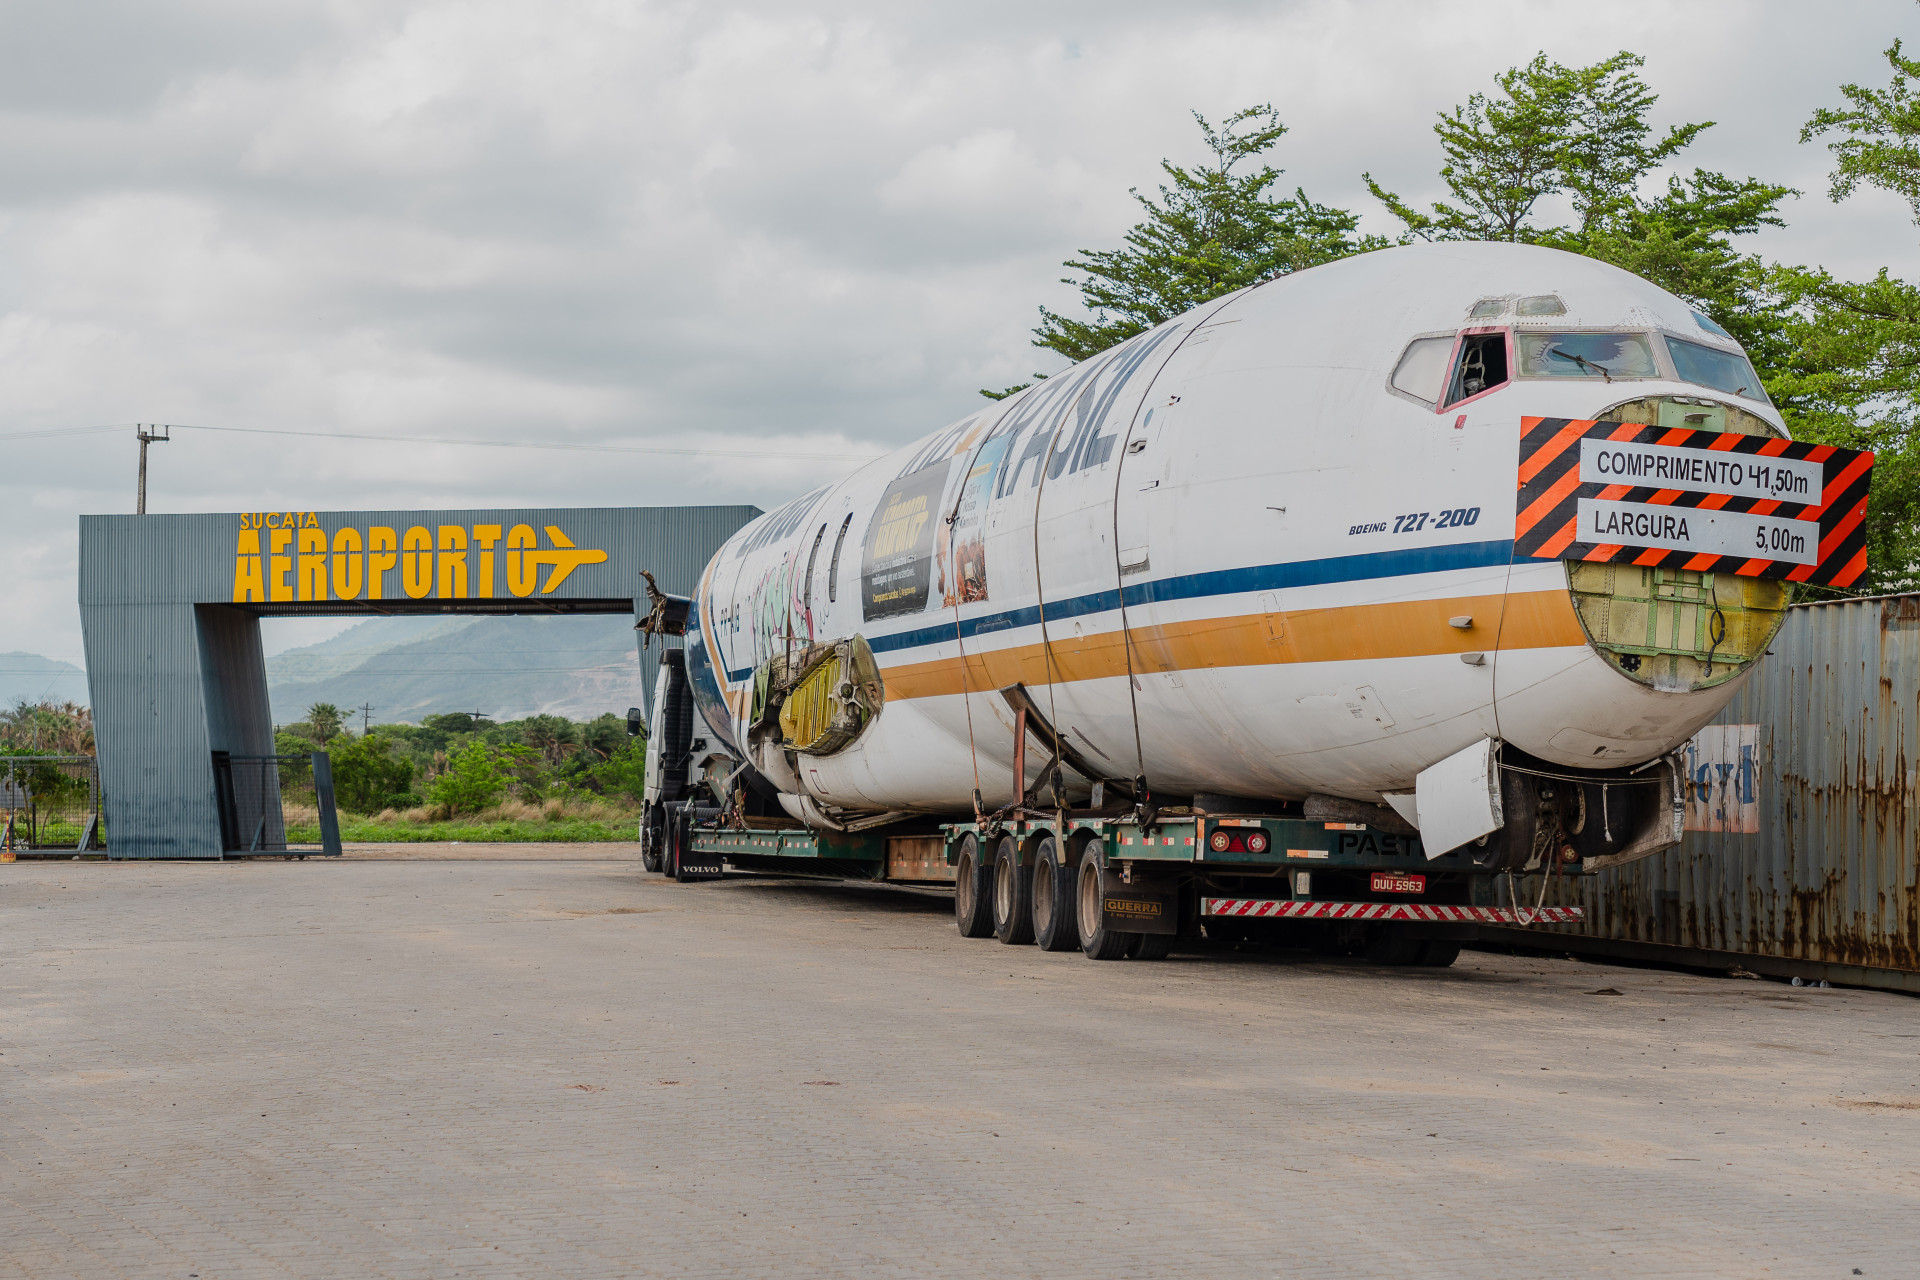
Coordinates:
[1455,539]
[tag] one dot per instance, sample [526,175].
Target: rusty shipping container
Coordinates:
[1800,852]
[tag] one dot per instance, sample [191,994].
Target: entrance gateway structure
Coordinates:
[170,609]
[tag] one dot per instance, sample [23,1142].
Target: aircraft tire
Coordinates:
[1097,941]
[1054,927]
[972,891]
[1012,895]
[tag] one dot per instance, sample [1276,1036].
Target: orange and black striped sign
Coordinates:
[1675,498]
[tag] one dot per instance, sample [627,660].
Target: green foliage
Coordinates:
[1582,132]
[456,722]
[1880,135]
[472,782]
[369,776]
[325,720]
[1211,230]
[47,728]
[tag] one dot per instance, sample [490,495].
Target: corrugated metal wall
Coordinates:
[1802,847]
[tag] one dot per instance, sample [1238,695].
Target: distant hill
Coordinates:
[508,668]
[31,678]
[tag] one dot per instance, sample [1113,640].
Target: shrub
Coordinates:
[367,775]
[472,781]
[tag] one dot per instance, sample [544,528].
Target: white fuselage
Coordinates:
[1226,555]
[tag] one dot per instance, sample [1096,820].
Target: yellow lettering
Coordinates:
[312,521]
[380,558]
[279,566]
[453,562]
[313,564]
[416,567]
[523,570]
[273,518]
[347,564]
[484,536]
[246,568]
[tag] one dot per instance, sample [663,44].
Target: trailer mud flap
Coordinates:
[1128,910]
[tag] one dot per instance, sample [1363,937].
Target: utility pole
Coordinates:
[366,715]
[147,435]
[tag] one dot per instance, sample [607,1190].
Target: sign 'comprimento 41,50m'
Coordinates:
[1720,502]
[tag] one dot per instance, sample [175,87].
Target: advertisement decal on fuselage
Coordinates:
[896,564]
[963,554]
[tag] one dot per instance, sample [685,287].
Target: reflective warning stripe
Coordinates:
[1273,909]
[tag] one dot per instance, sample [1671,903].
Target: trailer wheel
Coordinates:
[1387,946]
[1436,954]
[972,891]
[1012,895]
[1096,939]
[1151,946]
[1054,927]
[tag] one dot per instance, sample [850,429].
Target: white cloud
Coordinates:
[793,227]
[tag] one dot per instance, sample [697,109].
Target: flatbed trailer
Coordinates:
[1115,885]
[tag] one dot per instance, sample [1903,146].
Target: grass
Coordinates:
[514,821]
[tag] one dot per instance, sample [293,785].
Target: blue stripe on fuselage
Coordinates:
[1220,582]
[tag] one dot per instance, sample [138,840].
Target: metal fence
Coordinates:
[1802,847]
[276,804]
[49,803]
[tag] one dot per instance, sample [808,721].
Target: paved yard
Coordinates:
[561,1068]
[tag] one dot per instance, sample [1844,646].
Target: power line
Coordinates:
[744,451]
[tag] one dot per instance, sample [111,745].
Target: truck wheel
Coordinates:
[1096,939]
[650,859]
[1435,954]
[1151,946]
[1054,927]
[1012,896]
[972,891]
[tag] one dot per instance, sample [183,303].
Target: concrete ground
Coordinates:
[563,1068]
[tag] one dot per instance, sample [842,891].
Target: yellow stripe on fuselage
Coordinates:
[1399,629]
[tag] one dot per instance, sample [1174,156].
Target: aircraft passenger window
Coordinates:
[1482,365]
[1586,355]
[812,556]
[1721,370]
[1422,370]
[833,566]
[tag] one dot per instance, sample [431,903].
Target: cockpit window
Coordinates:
[1586,355]
[1422,370]
[1700,318]
[1482,365]
[1712,367]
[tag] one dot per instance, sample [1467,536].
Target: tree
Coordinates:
[325,720]
[1211,229]
[471,783]
[1853,373]
[1582,132]
[368,776]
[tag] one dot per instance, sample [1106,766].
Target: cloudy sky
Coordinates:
[796,232]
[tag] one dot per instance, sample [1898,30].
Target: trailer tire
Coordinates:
[1053,900]
[1385,946]
[972,891]
[1437,954]
[1012,895]
[1151,946]
[1097,941]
